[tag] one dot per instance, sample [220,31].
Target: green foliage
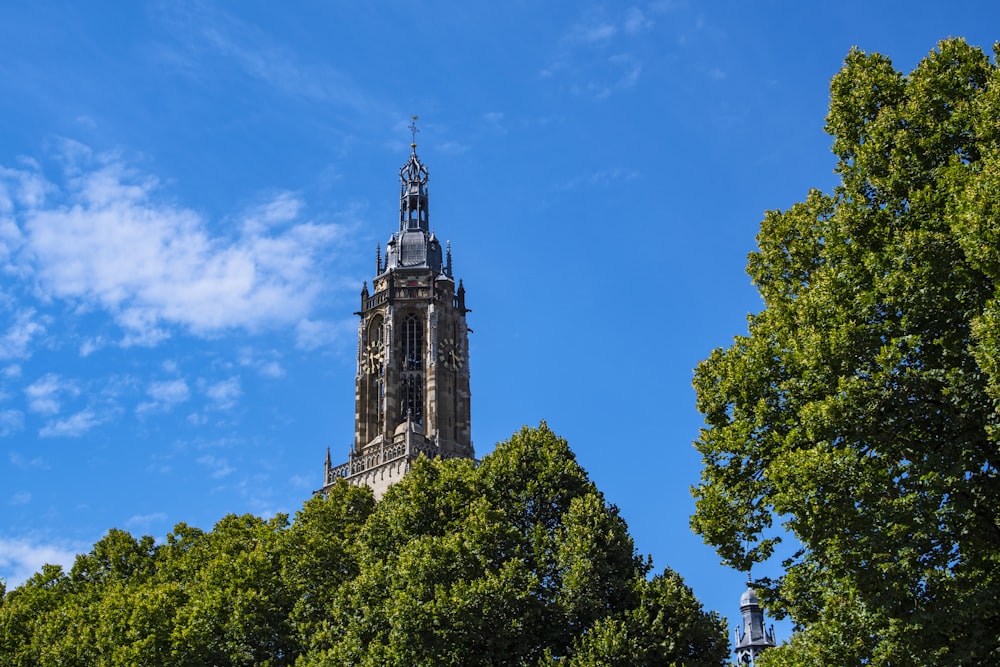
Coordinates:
[509,563]
[861,409]
[666,627]
[516,561]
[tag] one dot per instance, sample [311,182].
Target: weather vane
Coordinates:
[413,131]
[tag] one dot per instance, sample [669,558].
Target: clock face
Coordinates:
[371,358]
[450,354]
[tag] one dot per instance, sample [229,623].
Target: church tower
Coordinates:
[752,638]
[412,384]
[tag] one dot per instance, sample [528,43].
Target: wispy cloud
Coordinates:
[591,33]
[22,463]
[20,498]
[599,53]
[145,521]
[204,31]
[163,396]
[302,481]
[73,426]
[636,20]
[225,394]
[314,334]
[15,341]
[600,178]
[266,364]
[45,393]
[453,147]
[11,421]
[219,466]
[271,369]
[20,558]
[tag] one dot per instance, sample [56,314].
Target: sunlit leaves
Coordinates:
[860,411]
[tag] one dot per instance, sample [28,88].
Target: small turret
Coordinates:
[753,638]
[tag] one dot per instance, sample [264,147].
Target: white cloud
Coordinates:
[283,208]
[583,53]
[11,238]
[219,466]
[589,34]
[269,368]
[44,394]
[20,187]
[90,345]
[21,558]
[311,335]
[225,394]
[636,20]
[11,421]
[144,521]
[102,239]
[171,391]
[19,461]
[71,427]
[20,498]
[165,395]
[15,341]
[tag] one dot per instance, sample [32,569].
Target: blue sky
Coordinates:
[191,195]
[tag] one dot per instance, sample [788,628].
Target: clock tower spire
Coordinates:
[412,382]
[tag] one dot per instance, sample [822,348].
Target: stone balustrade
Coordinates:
[384,453]
[404,292]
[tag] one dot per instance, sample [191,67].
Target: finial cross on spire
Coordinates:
[413,131]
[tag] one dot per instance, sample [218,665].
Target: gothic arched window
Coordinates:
[412,384]
[413,343]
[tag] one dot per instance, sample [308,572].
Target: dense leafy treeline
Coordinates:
[861,410]
[516,561]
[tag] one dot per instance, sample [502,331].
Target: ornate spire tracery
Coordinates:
[413,177]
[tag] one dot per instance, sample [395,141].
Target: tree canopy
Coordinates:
[518,560]
[860,411]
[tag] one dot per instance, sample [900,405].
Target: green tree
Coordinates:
[237,604]
[319,555]
[666,627]
[24,612]
[860,411]
[516,561]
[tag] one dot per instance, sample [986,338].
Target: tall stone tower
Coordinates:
[752,638]
[412,384]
